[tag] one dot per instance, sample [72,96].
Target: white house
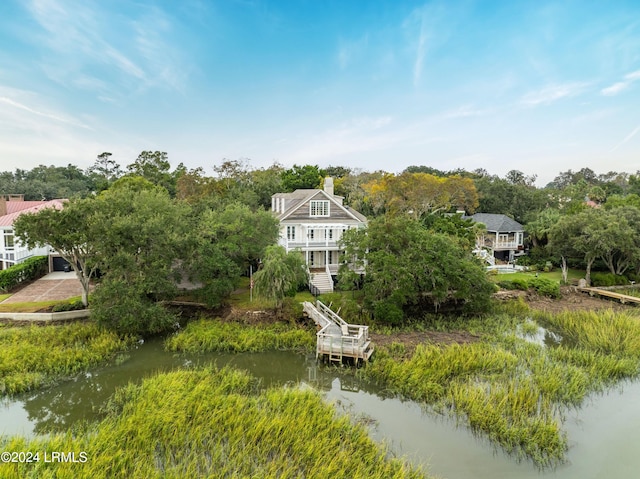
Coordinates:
[504,237]
[11,250]
[313,222]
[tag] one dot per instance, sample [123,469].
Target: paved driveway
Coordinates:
[54,286]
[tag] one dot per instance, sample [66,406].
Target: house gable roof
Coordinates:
[496,222]
[300,198]
[17,208]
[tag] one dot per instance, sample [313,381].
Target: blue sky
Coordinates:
[539,86]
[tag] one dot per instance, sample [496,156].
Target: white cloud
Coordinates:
[626,139]
[620,86]
[427,29]
[50,116]
[552,93]
[84,50]
[366,135]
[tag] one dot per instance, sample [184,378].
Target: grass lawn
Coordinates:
[4,296]
[241,297]
[31,307]
[555,275]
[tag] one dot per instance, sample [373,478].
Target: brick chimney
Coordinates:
[3,205]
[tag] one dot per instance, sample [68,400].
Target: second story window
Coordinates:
[291,233]
[8,240]
[319,208]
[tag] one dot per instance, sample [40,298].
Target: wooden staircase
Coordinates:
[322,281]
[337,339]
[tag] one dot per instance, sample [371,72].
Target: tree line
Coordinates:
[144,227]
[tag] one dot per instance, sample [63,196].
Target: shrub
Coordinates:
[28,270]
[517,283]
[72,306]
[388,312]
[349,308]
[545,287]
[608,279]
[120,307]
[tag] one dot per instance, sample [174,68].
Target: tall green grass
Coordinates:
[512,390]
[38,355]
[208,335]
[210,423]
[604,332]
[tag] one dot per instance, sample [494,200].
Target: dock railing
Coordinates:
[337,338]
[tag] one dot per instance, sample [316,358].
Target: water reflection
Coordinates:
[534,333]
[82,398]
[603,435]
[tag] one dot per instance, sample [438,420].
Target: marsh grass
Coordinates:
[208,335]
[214,423]
[511,390]
[605,332]
[39,355]
[529,328]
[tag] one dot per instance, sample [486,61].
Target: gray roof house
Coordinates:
[313,221]
[504,237]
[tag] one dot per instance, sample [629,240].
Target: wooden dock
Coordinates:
[337,339]
[623,298]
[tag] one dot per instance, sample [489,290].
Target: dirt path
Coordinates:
[571,300]
[411,340]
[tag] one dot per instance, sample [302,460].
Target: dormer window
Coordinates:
[319,208]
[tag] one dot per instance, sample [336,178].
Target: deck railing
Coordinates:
[336,337]
[351,344]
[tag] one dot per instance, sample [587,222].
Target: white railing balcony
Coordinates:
[506,245]
[318,244]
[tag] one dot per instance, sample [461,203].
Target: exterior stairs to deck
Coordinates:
[322,282]
[337,339]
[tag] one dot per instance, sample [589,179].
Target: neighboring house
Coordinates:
[11,250]
[313,222]
[503,238]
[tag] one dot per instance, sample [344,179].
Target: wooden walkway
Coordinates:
[623,298]
[337,339]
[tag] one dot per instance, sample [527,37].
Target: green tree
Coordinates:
[280,275]
[464,230]
[514,196]
[141,236]
[70,231]
[265,182]
[538,229]
[619,238]
[302,177]
[571,238]
[154,166]
[47,182]
[409,269]
[193,186]
[225,243]
[104,171]
[617,201]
